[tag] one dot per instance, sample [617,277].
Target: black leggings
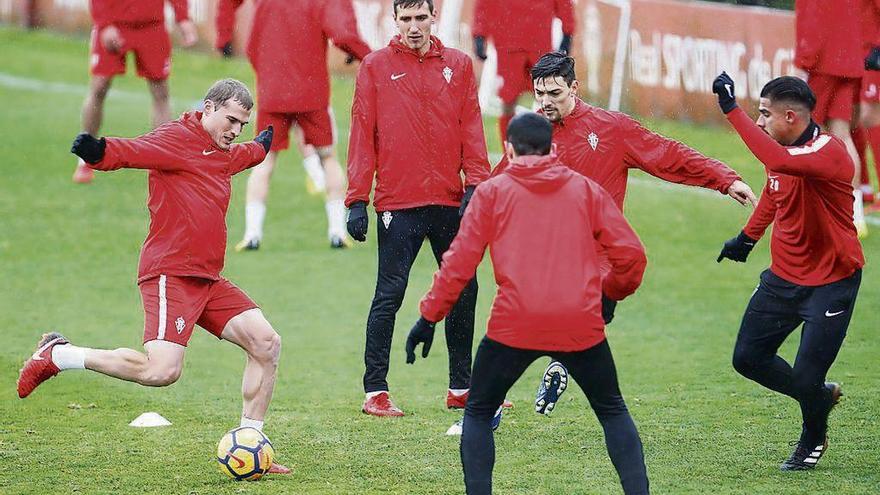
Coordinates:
[497,367]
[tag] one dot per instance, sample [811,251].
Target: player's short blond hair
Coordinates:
[230,89]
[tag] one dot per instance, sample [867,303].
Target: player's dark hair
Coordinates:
[530,134]
[790,89]
[230,89]
[554,64]
[412,3]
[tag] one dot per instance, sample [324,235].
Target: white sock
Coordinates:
[858,208]
[254,214]
[252,423]
[69,357]
[459,391]
[370,395]
[335,218]
[312,164]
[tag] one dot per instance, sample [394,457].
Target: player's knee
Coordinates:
[389,297]
[267,348]
[325,152]
[744,361]
[161,377]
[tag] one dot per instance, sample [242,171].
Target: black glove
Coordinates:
[468,192]
[872,61]
[88,148]
[265,137]
[608,306]
[737,249]
[480,48]
[422,333]
[357,221]
[565,44]
[723,87]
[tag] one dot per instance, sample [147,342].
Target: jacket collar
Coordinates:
[810,133]
[435,50]
[193,122]
[580,108]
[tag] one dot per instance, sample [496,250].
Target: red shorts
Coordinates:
[174,305]
[835,96]
[152,52]
[515,68]
[870,92]
[318,127]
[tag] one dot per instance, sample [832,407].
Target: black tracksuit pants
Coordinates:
[776,309]
[497,367]
[401,234]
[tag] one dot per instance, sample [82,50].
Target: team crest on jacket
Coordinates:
[447,74]
[386,219]
[180,324]
[593,139]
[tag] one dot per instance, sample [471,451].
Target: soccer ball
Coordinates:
[245,454]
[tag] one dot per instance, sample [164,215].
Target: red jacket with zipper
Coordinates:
[134,13]
[544,226]
[415,127]
[189,190]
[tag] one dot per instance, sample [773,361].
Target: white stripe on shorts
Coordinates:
[163,308]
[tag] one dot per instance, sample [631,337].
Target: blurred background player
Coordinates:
[224,22]
[603,146]
[122,26]
[868,131]
[550,294]
[415,127]
[521,31]
[817,258]
[829,48]
[288,51]
[191,162]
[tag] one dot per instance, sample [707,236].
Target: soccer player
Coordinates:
[521,32]
[829,48]
[120,27]
[869,109]
[288,51]
[224,23]
[550,294]
[191,162]
[603,146]
[816,270]
[415,127]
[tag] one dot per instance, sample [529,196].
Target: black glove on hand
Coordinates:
[480,48]
[88,148]
[723,87]
[872,61]
[422,333]
[737,249]
[565,44]
[466,199]
[357,221]
[608,306]
[265,138]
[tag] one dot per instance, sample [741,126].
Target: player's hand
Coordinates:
[189,32]
[465,200]
[265,138]
[565,44]
[480,48]
[872,61]
[88,148]
[737,249]
[421,333]
[358,221]
[724,88]
[741,192]
[608,306]
[111,39]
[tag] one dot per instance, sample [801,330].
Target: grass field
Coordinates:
[68,257]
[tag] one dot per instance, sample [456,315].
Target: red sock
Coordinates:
[503,121]
[860,139]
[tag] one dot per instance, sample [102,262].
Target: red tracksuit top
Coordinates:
[808,198]
[522,25]
[190,185]
[415,126]
[603,145]
[828,37]
[544,226]
[288,51]
[134,12]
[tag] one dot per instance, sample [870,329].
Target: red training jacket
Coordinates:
[828,37]
[288,51]
[544,225]
[522,25]
[134,12]
[190,184]
[415,126]
[808,198]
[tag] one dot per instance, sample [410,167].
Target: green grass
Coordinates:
[68,258]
